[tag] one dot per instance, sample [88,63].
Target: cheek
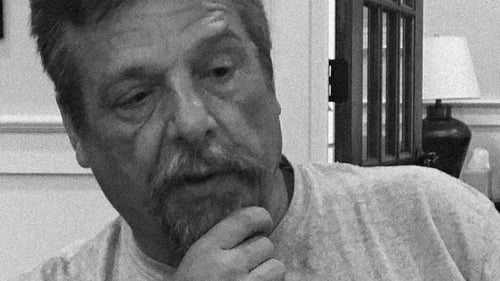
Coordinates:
[123,166]
[259,106]
[147,150]
[127,153]
[263,114]
[264,117]
[256,100]
[250,120]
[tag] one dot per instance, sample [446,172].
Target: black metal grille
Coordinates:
[376,117]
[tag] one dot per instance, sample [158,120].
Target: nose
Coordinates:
[191,122]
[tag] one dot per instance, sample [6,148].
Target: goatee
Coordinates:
[185,219]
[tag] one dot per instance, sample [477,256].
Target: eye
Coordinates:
[220,68]
[220,72]
[138,97]
[134,98]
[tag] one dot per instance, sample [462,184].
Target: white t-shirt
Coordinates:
[344,223]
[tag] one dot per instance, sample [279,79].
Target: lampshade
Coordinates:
[448,70]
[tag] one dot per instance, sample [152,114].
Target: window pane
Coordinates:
[365,83]
[374,110]
[408,84]
[384,83]
[331,124]
[401,83]
[392,83]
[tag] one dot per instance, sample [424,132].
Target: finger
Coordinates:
[254,251]
[239,226]
[271,270]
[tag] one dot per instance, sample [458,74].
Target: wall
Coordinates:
[48,201]
[40,214]
[483,119]
[479,22]
[25,91]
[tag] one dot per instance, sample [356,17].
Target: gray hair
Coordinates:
[50,18]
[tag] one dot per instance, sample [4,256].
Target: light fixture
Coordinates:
[448,74]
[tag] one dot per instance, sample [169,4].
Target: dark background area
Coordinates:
[1,19]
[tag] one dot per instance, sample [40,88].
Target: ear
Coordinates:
[82,155]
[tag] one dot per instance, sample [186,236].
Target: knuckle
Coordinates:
[203,249]
[228,261]
[277,266]
[263,214]
[266,242]
[278,269]
[263,246]
[255,216]
[272,270]
[231,266]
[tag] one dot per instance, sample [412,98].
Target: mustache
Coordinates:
[183,163]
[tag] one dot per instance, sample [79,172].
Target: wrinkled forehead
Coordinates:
[148,10]
[137,32]
[172,6]
[129,24]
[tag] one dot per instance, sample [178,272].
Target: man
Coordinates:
[171,103]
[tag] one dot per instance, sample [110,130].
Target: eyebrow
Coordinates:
[214,39]
[144,71]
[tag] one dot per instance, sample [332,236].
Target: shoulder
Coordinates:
[441,191]
[403,191]
[466,221]
[80,260]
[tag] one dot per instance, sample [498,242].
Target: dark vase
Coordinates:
[447,137]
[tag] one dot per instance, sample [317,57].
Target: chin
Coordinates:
[193,209]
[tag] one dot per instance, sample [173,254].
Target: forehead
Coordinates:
[138,22]
[144,31]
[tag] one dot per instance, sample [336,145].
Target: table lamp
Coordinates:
[448,73]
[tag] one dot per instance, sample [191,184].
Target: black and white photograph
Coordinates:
[249,140]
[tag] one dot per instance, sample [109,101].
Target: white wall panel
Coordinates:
[41,214]
[300,36]
[24,88]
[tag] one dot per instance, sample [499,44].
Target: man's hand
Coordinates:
[233,250]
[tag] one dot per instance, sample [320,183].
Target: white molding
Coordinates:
[36,145]
[484,126]
[478,113]
[468,102]
[41,124]
[479,117]
[40,163]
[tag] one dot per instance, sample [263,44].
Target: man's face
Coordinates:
[183,126]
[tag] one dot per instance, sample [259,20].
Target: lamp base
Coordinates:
[449,138]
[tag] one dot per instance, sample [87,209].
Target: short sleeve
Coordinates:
[468,223]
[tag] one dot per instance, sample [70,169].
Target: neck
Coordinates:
[280,194]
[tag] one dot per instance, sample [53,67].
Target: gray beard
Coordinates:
[185,221]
